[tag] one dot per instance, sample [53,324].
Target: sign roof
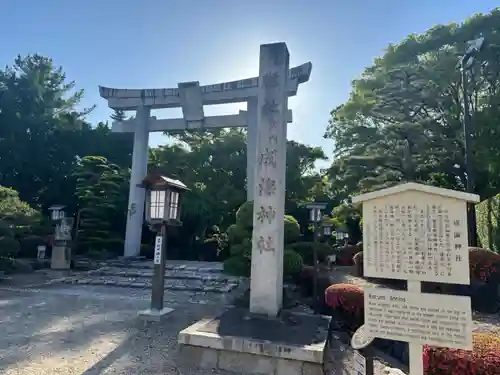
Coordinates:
[412,186]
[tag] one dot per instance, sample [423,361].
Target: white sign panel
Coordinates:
[359,363]
[158,245]
[416,236]
[419,318]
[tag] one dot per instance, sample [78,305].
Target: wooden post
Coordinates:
[158,286]
[416,350]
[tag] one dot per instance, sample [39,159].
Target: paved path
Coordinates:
[52,325]
[48,334]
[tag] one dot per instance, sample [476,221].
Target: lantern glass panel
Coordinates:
[157,205]
[57,214]
[174,205]
[327,231]
[315,215]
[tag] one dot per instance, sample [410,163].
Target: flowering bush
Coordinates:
[347,299]
[484,359]
[484,265]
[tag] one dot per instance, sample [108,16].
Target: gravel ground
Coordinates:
[47,334]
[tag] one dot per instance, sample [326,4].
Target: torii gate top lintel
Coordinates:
[220,93]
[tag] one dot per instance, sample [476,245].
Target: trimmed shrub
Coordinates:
[484,359]
[292,263]
[243,249]
[292,229]
[348,300]
[358,263]
[345,254]
[236,234]
[244,215]
[9,247]
[305,249]
[484,265]
[237,266]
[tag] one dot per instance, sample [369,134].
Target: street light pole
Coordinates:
[316,268]
[469,166]
[315,218]
[466,63]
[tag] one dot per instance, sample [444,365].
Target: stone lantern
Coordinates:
[61,251]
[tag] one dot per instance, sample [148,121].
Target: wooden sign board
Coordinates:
[416,232]
[419,318]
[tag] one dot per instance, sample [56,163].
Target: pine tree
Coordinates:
[118,115]
[101,190]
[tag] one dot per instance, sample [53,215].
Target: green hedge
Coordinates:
[239,265]
[305,250]
[488,214]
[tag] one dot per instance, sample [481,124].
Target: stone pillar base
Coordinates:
[61,258]
[150,315]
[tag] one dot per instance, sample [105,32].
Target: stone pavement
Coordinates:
[185,282]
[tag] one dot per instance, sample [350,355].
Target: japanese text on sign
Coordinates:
[158,245]
[434,319]
[416,240]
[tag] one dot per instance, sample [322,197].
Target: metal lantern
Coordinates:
[327,229]
[315,213]
[163,197]
[57,212]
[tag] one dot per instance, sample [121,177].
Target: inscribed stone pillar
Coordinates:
[269,200]
[251,146]
[136,196]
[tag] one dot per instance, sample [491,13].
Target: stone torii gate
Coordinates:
[191,97]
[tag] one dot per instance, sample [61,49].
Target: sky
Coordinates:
[159,43]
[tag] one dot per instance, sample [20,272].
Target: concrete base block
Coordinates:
[154,315]
[242,344]
[238,362]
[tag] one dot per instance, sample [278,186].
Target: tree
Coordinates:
[101,190]
[38,121]
[411,98]
[118,115]
[13,210]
